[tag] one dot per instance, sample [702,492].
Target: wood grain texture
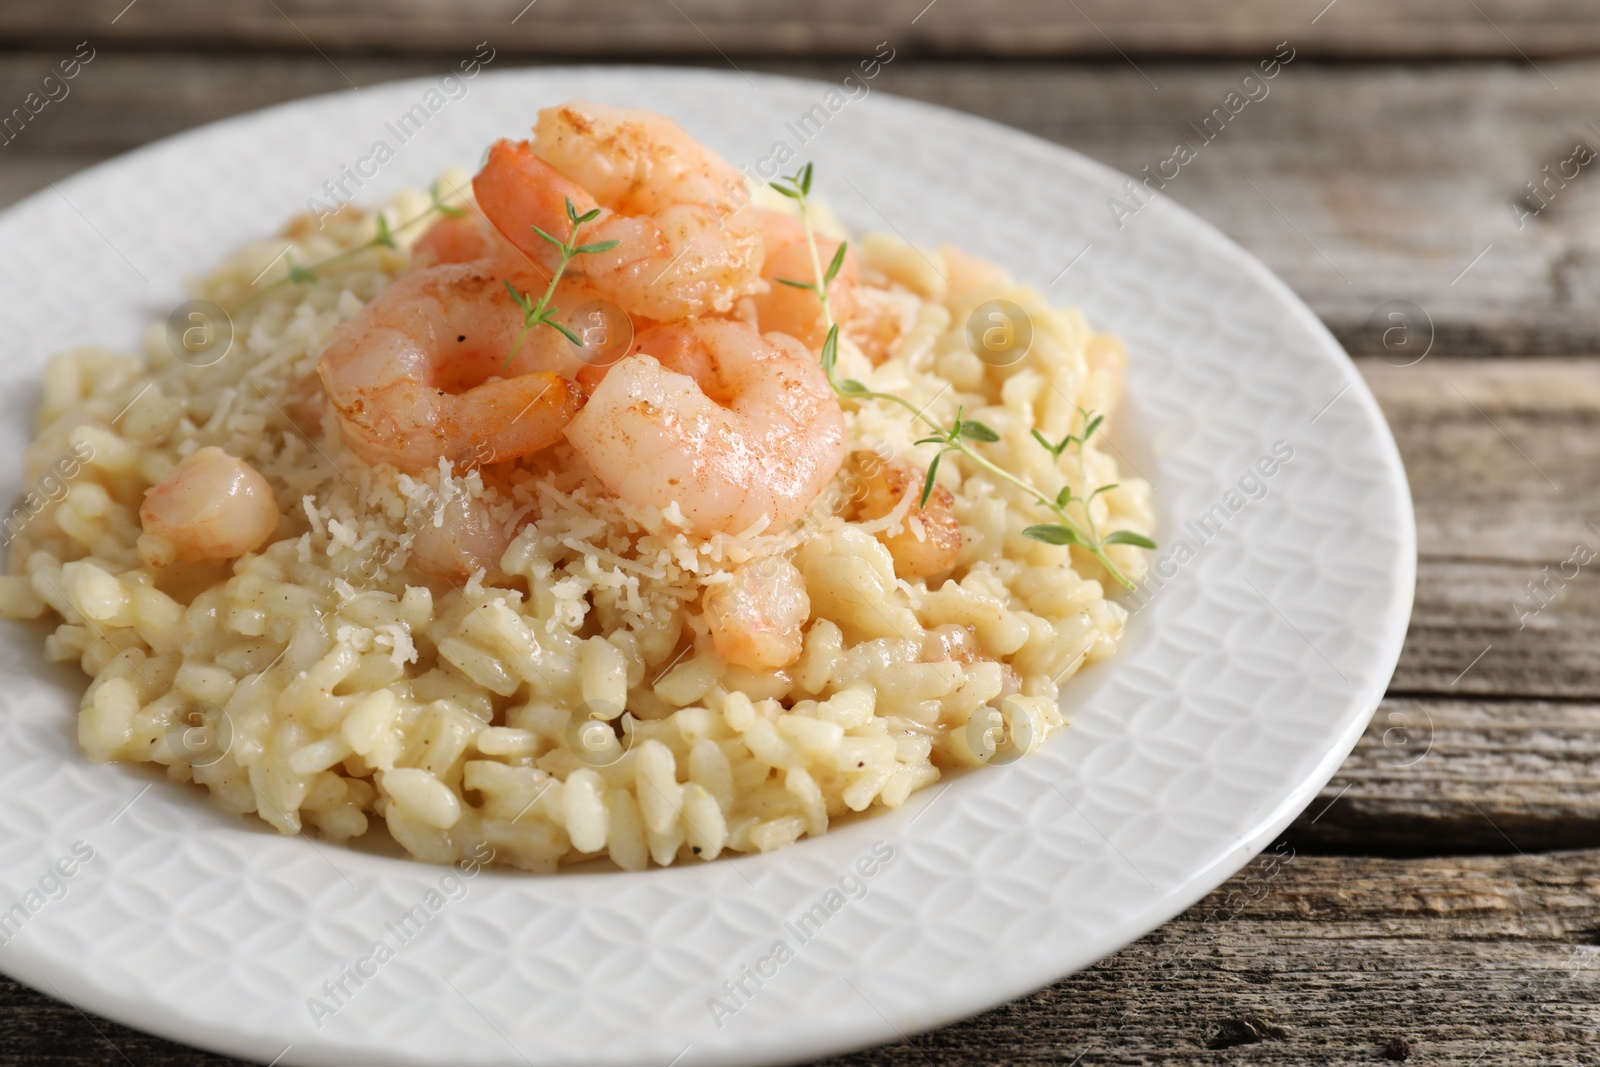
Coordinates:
[1297,960]
[1107,28]
[1457,776]
[1490,739]
[1503,456]
[1359,185]
[1502,462]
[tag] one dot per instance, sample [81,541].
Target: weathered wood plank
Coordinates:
[1502,463]
[1468,639]
[1459,776]
[748,27]
[1305,959]
[1358,184]
[1505,608]
[1503,456]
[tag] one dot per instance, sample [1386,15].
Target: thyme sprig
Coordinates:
[797,187]
[950,439]
[1069,528]
[299,274]
[543,313]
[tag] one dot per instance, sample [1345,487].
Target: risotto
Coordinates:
[330,622]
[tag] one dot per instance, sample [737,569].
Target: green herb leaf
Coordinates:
[1102,489]
[830,351]
[1089,430]
[785,190]
[1052,534]
[598,246]
[927,483]
[797,285]
[438,201]
[1063,496]
[805,180]
[553,240]
[298,274]
[851,387]
[568,334]
[588,216]
[833,267]
[941,439]
[522,333]
[384,238]
[1044,442]
[977,431]
[1128,537]
[522,301]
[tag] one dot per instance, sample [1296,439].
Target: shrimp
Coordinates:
[422,372]
[467,539]
[755,617]
[928,539]
[212,506]
[880,318]
[688,242]
[729,425]
[798,312]
[459,239]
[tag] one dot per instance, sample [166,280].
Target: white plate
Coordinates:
[1244,682]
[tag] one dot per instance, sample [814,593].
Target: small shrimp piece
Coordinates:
[466,540]
[604,328]
[212,506]
[928,538]
[756,616]
[794,311]
[688,242]
[729,425]
[423,372]
[880,319]
[458,239]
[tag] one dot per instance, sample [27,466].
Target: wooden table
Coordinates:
[1441,899]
